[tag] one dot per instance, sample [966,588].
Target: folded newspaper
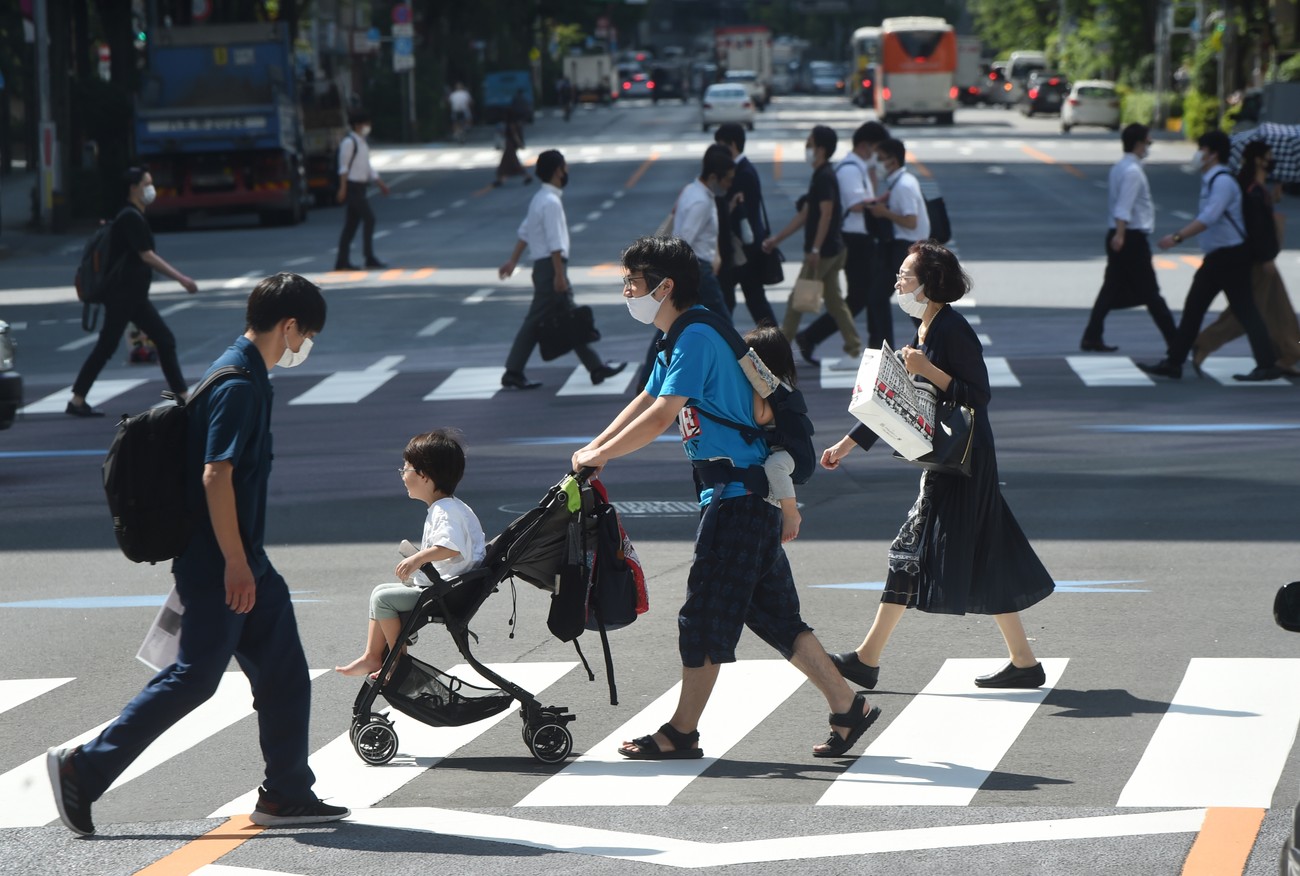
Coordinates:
[892,404]
[162,643]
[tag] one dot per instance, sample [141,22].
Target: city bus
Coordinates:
[917,73]
[864,49]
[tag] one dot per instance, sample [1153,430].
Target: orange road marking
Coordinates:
[776,162]
[1165,264]
[423,273]
[605,269]
[1224,843]
[392,274]
[1047,159]
[1072,170]
[342,276]
[483,191]
[1194,261]
[640,171]
[913,161]
[204,850]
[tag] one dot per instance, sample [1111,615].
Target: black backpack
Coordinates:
[1256,211]
[144,477]
[96,270]
[792,429]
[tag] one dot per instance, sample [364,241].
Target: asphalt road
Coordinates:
[1165,512]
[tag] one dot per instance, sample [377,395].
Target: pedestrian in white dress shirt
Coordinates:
[545,234]
[355,176]
[1130,278]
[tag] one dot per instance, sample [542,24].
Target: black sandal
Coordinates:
[685,746]
[855,722]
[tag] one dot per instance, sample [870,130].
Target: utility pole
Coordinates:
[46,142]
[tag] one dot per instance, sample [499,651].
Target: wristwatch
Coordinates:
[815,251]
[1178,238]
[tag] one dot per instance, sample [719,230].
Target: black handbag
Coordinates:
[564,328]
[940,227]
[770,272]
[951,443]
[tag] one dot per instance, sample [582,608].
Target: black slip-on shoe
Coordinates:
[81,410]
[806,350]
[516,380]
[1012,676]
[855,670]
[606,371]
[1163,368]
[1088,346]
[1262,372]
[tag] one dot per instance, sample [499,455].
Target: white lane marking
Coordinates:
[603,777]
[20,326]
[478,296]
[578,228]
[79,343]
[436,326]
[341,774]
[1221,368]
[456,205]
[16,691]
[1225,738]
[593,215]
[1182,214]
[468,383]
[176,308]
[436,213]
[689,855]
[350,387]
[624,150]
[1108,371]
[301,260]
[607,205]
[102,392]
[410,223]
[589,150]
[379,234]
[25,799]
[972,318]
[839,373]
[242,279]
[996,170]
[919,761]
[617,194]
[1101,185]
[1000,373]
[579,383]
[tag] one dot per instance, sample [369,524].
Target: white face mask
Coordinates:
[290,359]
[1197,162]
[148,194]
[913,303]
[365,130]
[810,155]
[645,308]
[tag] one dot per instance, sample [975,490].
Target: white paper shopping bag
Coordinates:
[891,404]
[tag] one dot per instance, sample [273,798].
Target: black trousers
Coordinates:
[545,298]
[866,287]
[1225,270]
[1129,281]
[358,210]
[116,315]
[751,286]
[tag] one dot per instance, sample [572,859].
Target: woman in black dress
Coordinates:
[960,549]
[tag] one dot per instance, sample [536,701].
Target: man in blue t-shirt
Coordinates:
[739,575]
[235,602]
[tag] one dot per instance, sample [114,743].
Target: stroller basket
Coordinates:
[431,696]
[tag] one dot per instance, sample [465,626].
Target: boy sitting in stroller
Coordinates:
[432,466]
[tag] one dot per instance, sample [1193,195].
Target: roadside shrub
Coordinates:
[1140,106]
[1200,113]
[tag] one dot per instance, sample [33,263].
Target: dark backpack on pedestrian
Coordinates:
[97,269]
[1257,213]
[145,477]
[792,429]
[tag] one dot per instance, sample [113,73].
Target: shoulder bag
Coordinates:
[770,272]
[951,441]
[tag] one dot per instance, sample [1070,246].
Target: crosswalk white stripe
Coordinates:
[436,326]
[350,387]
[603,777]
[102,392]
[342,776]
[78,343]
[176,308]
[1108,371]
[25,799]
[579,383]
[1000,373]
[468,383]
[478,296]
[1225,738]
[16,691]
[944,744]
[838,373]
[1221,368]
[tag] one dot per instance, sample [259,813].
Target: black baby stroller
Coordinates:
[535,548]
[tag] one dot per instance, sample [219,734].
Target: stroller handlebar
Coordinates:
[583,474]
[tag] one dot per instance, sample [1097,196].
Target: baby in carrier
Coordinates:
[773,348]
[432,466]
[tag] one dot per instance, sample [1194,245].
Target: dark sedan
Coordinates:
[1045,92]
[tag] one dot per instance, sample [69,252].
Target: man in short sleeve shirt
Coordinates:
[235,602]
[739,575]
[904,205]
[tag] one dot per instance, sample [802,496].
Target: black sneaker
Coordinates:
[270,813]
[69,796]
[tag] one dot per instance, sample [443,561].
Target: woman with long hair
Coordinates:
[1270,292]
[960,550]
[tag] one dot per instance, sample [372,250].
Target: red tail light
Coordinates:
[1006,86]
[627,86]
[839,83]
[650,84]
[974,89]
[952,92]
[1074,101]
[885,93]
[993,76]
[1053,81]
[1033,94]
[866,83]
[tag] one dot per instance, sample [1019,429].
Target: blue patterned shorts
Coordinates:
[739,578]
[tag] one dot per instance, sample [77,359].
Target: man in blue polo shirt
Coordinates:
[739,574]
[236,603]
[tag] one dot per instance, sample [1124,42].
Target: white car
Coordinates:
[1091,102]
[726,102]
[749,79]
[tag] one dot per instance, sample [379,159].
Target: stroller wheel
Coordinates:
[550,743]
[376,743]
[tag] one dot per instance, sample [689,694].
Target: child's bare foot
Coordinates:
[361,666]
